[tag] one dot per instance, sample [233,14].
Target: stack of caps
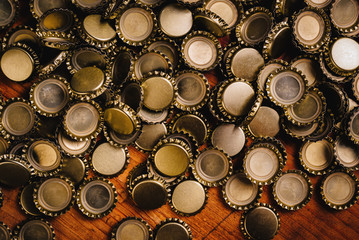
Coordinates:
[137,73]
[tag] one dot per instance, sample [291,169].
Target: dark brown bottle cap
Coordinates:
[188,198]
[39,7]
[339,189]
[26,200]
[266,123]
[54,196]
[29,228]
[253,226]
[266,70]
[135,172]
[150,136]
[344,16]
[254,26]
[150,116]
[9,13]
[309,66]
[228,137]
[211,22]
[240,193]
[86,56]
[122,59]
[15,171]
[346,153]
[317,157]
[5,232]
[96,197]
[129,20]
[74,168]
[173,228]
[16,147]
[47,127]
[278,41]
[131,94]
[318,4]
[166,46]
[132,228]
[71,147]
[195,44]
[286,8]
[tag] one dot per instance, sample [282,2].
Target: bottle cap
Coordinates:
[355,86]
[174,228]
[108,160]
[50,95]
[253,226]
[317,157]
[150,3]
[193,90]
[51,65]
[311,39]
[86,56]
[83,120]
[254,26]
[263,163]
[175,20]
[74,168]
[240,193]
[195,44]
[286,86]
[96,197]
[324,128]
[54,196]
[212,167]
[309,66]
[132,227]
[120,140]
[286,8]
[149,116]
[210,22]
[346,153]
[344,16]
[39,7]
[352,127]
[186,138]
[188,198]
[131,94]
[5,232]
[4,145]
[293,190]
[114,8]
[47,127]
[318,4]
[237,64]
[266,70]
[166,46]
[16,147]
[150,136]
[149,192]
[277,144]
[23,34]
[136,171]
[339,189]
[90,6]
[71,147]
[300,132]
[18,62]
[266,123]
[122,59]
[278,41]
[9,13]
[26,201]
[228,137]
[130,18]
[34,227]
[14,170]
[44,156]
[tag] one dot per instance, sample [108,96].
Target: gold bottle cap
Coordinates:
[39,7]
[253,226]
[150,3]
[74,168]
[96,197]
[317,157]
[344,16]
[166,46]
[286,86]
[254,26]
[52,64]
[159,91]
[277,144]
[193,90]
[4,145]
[71,147]
[120,140]
[346,153]
[228,137]
[50,95]
[194,123]
[266,123]
[311,29]
[186,138]
[173,228]
[44,156]
[123,60]
[293,190]
[9,13]
[324,129]
[16,147]
[212,167]
[5,232]
[23,34]
[18,62]
[46,127]
[318,3]
[355,86]
[131,94]
[34,227]
[18,119]
[114,8]
[54,196]
[86,56]
[240,193]
[300,132]
[188,198]
[339,189]
[129,20]
[201,51]
[90,5]
[136,171]
[26,202]
[352,125]
[149,192]
[278,41]
[150,136]
[149,61]
[175,20]
[310,110]
[14,170]
[230,11]
[149,116]
[244,63]
[132,228]
[266,70]
[309,66]
[57,20]
[286,8]
[171,157]
[211,22]
[108,160]
[83,120]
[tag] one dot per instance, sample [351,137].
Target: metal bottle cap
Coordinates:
[166,46]
[150,3]
[53,64]
[317,157]
[50,95]
[266,123]
[175,20]
[318,3]
[108,160]
[201,51]
[346,153]
[230,11]
[26,200]
[83,120]
[136,171]
[57,20]
[9,12]
[5,232]
[39,7]
[40,228]
[186,138]
[212,167]
[150,116]
[83,57]
[23,34]
[254,26]
[89,5]
[150,136]
[278,41]
[339,189]
[211,22]
[344,16]
[253,226]
[286,8]
[120,140]
[132,228]
[4,145]
[96,197]
[355,86]
[300,132]
[14,170]
[352,127]
[54,196]
[73,147]
[188,198]
[173,228]
[229,138]
[131,93]
[74,168]
[310,67]
[122,67]
[240,193]
[266,70]
[324,129]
